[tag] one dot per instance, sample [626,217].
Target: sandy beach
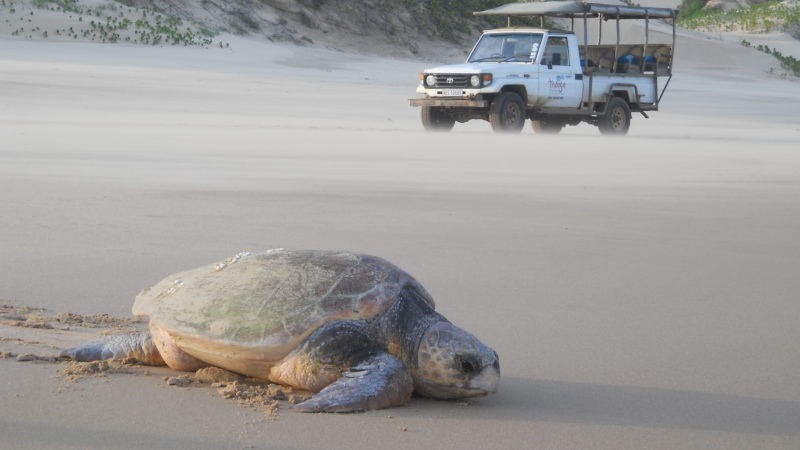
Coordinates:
[642,292]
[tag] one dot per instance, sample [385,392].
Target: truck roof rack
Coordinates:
[572,9]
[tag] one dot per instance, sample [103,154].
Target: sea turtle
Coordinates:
[354,328]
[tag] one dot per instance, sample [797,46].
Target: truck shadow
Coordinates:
[585,403]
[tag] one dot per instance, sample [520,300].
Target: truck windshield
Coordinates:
[511,47]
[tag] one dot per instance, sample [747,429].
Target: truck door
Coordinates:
[557,83]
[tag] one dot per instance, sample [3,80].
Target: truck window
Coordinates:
[556,52]
[511,47]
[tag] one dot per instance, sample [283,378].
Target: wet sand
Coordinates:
[641,292]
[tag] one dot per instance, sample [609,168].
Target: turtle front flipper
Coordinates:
[139,346]
[378,382]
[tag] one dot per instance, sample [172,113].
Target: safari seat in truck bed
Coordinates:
[629,59]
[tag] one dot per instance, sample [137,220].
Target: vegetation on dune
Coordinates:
[690,8]
[62,5]
[787,62]
[769,16]
[412,23]
[115,23]
[774,15]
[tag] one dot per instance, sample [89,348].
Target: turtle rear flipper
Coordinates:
[139,346]
[378,382]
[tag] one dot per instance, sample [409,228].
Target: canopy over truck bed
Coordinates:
[577,9]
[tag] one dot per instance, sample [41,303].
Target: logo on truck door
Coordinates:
[556,86]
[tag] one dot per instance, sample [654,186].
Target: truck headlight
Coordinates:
[430,80]
[475,81]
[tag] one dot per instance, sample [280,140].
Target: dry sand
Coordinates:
[642,292]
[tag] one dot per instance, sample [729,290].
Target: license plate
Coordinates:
[452,92]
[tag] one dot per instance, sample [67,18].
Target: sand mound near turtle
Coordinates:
[75,371]
[247,392]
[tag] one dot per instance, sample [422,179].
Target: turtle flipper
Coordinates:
[139,346]
[378,382]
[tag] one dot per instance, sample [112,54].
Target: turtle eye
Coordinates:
[467,364]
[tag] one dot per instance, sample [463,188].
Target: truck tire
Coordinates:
[617,119]
[507,113]
[547,126]
[433,119]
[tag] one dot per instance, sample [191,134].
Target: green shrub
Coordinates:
[690,8]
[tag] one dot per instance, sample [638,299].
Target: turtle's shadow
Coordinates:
[585,403]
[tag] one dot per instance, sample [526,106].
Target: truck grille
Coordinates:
[452,80]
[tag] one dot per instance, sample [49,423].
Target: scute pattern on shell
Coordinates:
[274,298]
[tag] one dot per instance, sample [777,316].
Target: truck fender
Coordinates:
[627,92]
[520,90]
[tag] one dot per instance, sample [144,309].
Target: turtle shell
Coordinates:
[261,306]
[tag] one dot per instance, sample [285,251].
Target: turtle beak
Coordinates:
[487,380]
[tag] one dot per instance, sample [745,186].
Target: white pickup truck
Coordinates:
[519,73]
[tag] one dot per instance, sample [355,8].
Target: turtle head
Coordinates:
[452,363]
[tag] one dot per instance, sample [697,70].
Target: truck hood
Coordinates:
[498,68]
[456,68]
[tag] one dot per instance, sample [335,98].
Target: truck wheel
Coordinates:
[547,126]
[433,119]
[507,113]
[617,119]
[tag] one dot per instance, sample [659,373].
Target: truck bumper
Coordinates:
[450,102]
